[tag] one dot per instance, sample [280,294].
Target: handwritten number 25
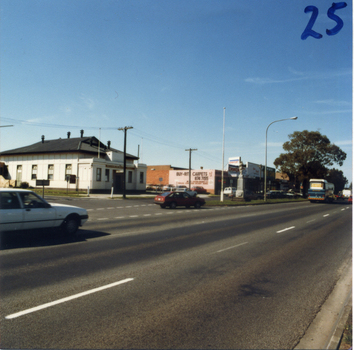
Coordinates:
[330,13]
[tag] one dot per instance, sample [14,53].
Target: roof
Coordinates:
[77,144]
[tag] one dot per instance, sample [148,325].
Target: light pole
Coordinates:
[223,152]
[125,157]
[265,167]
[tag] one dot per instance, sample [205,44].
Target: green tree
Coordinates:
[308,155]
[337,178]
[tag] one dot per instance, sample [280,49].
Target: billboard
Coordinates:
[235,161]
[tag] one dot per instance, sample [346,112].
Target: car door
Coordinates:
[37,212]
[11,212]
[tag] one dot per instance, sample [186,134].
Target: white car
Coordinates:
[25,210]
[230,191]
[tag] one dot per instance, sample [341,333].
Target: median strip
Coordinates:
[63,300]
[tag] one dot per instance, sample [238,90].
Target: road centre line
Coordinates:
[234,246]
[325,215]
[63,300]
[286,229]
[310,221]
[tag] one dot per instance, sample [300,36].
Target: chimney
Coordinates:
[109,144]
[42,138]
[69,133]
[82,133]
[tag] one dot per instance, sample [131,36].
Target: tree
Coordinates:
[309,153]
[336,177]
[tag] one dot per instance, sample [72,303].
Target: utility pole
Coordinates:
[190,163]
[125,156]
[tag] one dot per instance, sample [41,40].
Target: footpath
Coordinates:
[326,330]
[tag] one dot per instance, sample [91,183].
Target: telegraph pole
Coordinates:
[190,163]
[125,156]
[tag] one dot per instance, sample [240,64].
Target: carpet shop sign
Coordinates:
[197,177]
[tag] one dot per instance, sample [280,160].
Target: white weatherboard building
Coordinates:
[75,163]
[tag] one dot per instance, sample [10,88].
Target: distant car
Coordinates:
[168,188]
[274,194]
[25,210]
[350,200]
[199,189]
[252,195]
[230,191]
[178,199]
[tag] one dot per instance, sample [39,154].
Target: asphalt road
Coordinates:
[139,276]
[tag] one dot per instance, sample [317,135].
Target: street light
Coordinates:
[265,168]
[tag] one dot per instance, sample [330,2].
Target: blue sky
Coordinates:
[168,68]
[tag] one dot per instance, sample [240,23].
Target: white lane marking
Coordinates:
[343,209]
[128,206]
[325,215]
[102,219]
[133,216]
[119,217]
[286,229]
[63,300]
[100,209]
[310,221]
[147,214]
[234,246]
[110,208]
[119,207]
[94,209]
[158,213]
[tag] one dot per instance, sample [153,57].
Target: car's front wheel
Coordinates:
[71,225]
[173,205]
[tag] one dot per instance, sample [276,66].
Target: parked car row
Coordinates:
[172,188]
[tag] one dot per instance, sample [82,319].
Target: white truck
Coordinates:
[347,193]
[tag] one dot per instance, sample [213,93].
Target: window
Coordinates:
[130,177]
[50,171]
[107,175]
[141,177]
[98,174]
[9,201]
[34,172]
[68,168]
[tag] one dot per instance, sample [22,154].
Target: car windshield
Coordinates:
[30,200]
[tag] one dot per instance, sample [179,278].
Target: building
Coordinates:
[75,163]
[159,174]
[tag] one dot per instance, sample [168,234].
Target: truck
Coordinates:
[346,193]
[321,190]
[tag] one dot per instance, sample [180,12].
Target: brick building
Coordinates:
[156,172]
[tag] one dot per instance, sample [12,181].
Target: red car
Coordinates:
[350,200]
[199,189]
[178,199]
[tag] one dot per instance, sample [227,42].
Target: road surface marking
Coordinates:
[119,217]
[325,215]
[102,219]
[286,229]
[234,246]
[100,208]
[110,208]
[75,296]
[310,221]
[147,214]
[133,216]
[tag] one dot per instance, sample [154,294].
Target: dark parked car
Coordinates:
[178,199]
[199,189]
